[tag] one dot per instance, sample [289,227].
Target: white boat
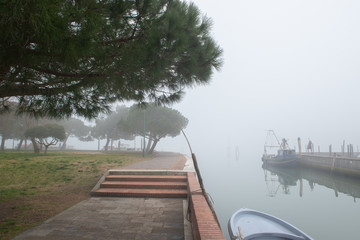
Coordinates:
[247,224]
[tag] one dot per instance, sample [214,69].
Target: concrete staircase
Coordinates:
[149,184]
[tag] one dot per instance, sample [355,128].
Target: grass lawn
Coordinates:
[36,187]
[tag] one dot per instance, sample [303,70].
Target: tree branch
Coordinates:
[72,75]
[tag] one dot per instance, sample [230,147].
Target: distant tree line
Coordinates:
[153,122]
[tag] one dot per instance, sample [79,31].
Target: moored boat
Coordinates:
[247,224]
[284,156]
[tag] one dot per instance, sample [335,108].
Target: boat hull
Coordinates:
[247,224]
[281,162]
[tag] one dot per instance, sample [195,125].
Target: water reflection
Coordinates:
[281,179]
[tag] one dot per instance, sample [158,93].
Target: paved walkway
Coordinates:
[119,218]
[162,161]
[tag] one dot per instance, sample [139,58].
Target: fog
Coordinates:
[290,66]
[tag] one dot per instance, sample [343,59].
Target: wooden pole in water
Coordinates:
[333,163]
[197,170]
[299,144]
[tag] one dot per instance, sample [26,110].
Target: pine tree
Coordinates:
[59,58]
[157,121]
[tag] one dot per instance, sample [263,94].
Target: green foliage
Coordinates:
[47,135]
[75,127]
[7,125]
[50,130]
[159,122]
[108,129]
[60,58]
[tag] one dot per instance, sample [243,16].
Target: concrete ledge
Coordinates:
[189,164]
[97,186]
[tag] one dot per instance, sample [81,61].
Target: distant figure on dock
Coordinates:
[310,146]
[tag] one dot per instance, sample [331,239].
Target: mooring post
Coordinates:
[299,144]
[330,149]
[333,163]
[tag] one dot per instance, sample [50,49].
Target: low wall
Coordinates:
[204,224]
[335,164]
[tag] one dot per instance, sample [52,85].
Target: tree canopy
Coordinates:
[159,122]
[8,128]
[48,134]
[59,58]
[108,129]
[74,127]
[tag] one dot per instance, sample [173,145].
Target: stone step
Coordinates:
[144,185]
[146,178]
[150,193]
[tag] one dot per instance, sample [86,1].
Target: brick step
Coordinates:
[146,178]
[151,193]
[144,185]
[147,172]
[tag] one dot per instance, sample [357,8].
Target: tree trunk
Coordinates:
[3,143]
[149,144]
[41,144]
[153,146]
[46,148]
[20,143]
[112,142]
[35,145]
[107,143]
[63,147]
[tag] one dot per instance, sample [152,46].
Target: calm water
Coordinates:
[323,206]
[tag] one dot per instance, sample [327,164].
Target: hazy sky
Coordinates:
[290,66]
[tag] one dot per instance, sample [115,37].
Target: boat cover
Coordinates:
[247,224]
